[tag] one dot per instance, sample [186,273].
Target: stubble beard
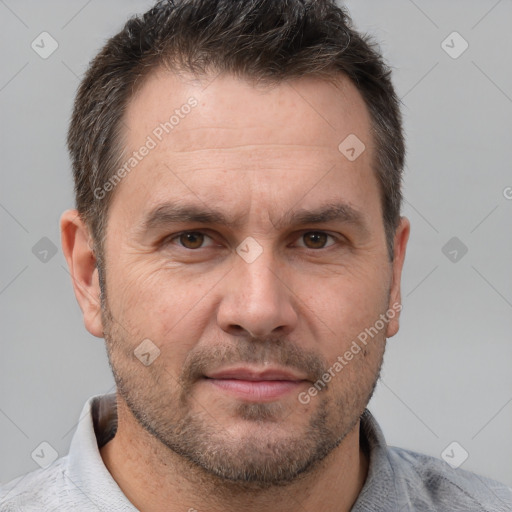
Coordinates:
[268,453]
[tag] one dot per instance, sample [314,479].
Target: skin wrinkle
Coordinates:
[248,147]
[181,442]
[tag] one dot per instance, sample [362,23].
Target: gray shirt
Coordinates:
[398,480]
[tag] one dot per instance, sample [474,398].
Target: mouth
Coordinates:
[254,384]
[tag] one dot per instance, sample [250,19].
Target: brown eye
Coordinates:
[191,239]
[315,239]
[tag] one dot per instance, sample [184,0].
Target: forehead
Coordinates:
[306,112]
[222,140]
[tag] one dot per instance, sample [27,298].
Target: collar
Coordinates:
[98,425]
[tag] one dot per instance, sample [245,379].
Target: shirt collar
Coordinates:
[86,470]
[381,486]
[98,424]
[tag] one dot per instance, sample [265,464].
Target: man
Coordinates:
[239,245]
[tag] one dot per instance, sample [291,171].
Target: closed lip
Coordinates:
[255,374]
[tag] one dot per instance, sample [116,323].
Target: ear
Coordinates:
[77,248]
[395,296]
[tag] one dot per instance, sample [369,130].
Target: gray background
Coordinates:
[447,373]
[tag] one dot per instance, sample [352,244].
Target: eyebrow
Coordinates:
[173,213]
[339,212]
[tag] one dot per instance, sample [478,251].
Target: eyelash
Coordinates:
[337,240]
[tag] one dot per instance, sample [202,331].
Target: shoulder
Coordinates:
[433,485]
[41,489]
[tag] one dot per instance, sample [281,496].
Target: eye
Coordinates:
[190,239]
[193,240]
[316,239]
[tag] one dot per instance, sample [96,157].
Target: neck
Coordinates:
[155,479]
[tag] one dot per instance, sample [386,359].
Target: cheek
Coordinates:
[347,305]
[161,305]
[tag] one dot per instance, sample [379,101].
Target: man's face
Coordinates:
[247,314]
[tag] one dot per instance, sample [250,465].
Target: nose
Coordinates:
[256,299]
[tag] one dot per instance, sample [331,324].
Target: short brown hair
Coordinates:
[266,41]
